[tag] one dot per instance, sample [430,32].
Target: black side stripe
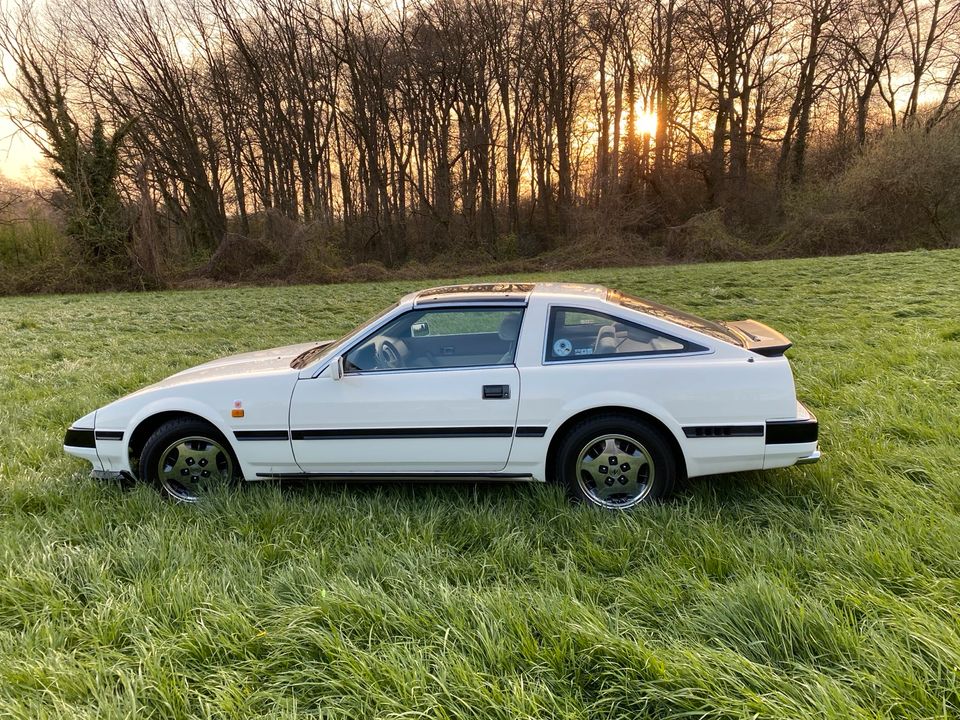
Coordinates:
[531,431]
[109,434]
[723,431]
[261,434]
[80,437]
[394,433]
[527,431]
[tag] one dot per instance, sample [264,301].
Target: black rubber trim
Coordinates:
[80,437]
[109,434]
[261,434]
[531,431]
[473,301]
[785,432]
[112,475]
[393,476]
[395,433]
[723,431]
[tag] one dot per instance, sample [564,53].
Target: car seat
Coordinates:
[509,331]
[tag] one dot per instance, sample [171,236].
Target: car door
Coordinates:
[444,402]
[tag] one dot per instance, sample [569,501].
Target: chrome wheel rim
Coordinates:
[615,471]
[192,466]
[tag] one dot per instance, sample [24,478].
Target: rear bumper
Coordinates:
[792,442]
[809,459]
[789,432]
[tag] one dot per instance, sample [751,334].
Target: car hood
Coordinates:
[244,364]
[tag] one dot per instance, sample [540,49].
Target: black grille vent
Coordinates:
[723,431]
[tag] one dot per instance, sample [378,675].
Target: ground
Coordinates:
[829,590]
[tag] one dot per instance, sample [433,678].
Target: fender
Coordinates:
[116,455]
[732,454]
[531,455]
[617,398]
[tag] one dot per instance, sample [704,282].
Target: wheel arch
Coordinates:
[557,438]
[149,425]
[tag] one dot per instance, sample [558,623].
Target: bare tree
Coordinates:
[402,131]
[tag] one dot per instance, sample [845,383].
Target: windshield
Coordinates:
[320,351]
[707,327]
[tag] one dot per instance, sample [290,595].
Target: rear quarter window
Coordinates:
[579,334]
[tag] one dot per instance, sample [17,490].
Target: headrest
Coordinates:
[509,328]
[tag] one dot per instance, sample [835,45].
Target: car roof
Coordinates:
[509,293]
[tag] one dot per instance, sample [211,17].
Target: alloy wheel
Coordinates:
[192,466]
[615,471]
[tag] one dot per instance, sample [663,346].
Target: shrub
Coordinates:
[899,193]
[706,237]
[906,183]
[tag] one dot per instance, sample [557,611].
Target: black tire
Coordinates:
[193,446]
[645,471]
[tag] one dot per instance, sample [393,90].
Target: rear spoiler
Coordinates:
[760,338]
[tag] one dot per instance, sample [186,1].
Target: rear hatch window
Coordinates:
[684,319]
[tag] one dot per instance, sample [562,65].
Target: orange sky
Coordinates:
[19,158]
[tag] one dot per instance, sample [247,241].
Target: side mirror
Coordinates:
[419,329]
[336,368]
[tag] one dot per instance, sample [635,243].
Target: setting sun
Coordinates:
[646,122]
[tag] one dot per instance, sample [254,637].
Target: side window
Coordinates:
[439,338]
[575,334]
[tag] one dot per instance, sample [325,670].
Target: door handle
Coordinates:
[496,392]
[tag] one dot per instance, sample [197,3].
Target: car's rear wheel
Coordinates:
[616,462]
[188,459]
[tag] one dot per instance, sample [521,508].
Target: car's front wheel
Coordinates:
[187,459]
[616,462]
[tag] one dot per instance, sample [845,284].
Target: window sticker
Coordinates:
[562,347]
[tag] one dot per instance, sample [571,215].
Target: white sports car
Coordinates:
[615,397]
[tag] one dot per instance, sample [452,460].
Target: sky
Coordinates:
[20,159]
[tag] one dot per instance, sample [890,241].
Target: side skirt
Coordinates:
[429,477]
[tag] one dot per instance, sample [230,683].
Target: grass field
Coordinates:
[829,591]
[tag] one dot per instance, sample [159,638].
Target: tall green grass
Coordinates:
[827,591]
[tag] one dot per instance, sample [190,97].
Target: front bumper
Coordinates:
[105,450]
[82,443]
[81,438]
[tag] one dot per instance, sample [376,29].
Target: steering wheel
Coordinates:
[388,356]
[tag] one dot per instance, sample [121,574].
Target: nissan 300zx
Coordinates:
[615,397]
